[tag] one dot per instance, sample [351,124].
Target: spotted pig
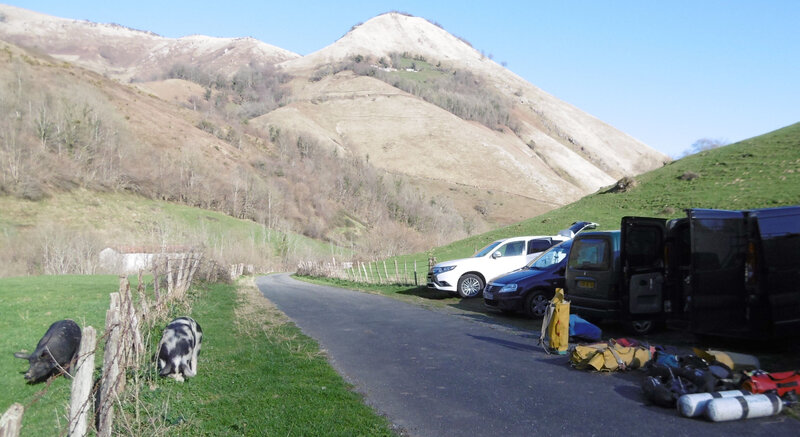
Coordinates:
[178,349]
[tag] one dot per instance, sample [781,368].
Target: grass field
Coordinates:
[27,308]
[258,375]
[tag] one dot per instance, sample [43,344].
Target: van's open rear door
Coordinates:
[642,259]
[779,277]
[717,300]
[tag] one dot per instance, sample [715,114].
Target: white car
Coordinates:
[467,276]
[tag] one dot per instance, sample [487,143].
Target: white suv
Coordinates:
[467,276]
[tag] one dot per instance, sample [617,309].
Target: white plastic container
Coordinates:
[693,405]
[743,407]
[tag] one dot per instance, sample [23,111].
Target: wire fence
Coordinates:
[393,272]
[124,347]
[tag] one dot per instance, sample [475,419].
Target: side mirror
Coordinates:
[497,255]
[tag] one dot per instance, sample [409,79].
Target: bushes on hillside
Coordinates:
[459,92]
[252,91]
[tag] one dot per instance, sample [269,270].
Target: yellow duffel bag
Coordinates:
[609,357]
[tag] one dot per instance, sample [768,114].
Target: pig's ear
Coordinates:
[22,355]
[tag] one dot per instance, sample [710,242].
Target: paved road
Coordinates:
[433,373]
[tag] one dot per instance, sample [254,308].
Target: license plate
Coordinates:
[586,284]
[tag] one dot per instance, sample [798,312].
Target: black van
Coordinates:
[715,272]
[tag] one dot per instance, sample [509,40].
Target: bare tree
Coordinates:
[704,144]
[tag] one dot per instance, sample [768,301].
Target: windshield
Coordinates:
[487,249]
[553,256]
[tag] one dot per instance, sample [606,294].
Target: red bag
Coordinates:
[776,382]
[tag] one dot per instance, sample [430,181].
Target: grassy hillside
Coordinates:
[760,172]
[89,221]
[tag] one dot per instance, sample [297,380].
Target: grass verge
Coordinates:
[257,375]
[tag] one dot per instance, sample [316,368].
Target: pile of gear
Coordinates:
[716,384]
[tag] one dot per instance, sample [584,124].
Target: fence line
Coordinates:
[124,348]
[369,272]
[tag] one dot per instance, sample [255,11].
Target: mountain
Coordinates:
[397,136]
[126,54]
[560,129]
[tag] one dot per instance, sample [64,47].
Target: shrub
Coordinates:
[689,176]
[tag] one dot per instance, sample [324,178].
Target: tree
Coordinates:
[704,144]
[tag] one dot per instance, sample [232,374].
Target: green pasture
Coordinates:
[28,306]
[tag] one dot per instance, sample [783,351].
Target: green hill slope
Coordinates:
[760,172]
[83,222]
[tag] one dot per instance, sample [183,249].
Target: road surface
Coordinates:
[437,373]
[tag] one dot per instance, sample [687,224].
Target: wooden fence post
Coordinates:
[110,384]
[170,281]
[80,398]
[145,311]
[157,284]
[366,276]
[133,345]
[11,422]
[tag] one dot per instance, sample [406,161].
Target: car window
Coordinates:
[643,246]
[512,249]
[486,249]
[590,254]
[539,245]
[551,257]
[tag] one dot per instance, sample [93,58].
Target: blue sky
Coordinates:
[665,72]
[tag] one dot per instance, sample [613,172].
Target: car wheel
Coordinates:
[536,304]
[642,327]
[470,285]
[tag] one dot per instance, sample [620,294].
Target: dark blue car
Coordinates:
[529,289]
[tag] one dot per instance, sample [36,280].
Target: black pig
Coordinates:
[55,351]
